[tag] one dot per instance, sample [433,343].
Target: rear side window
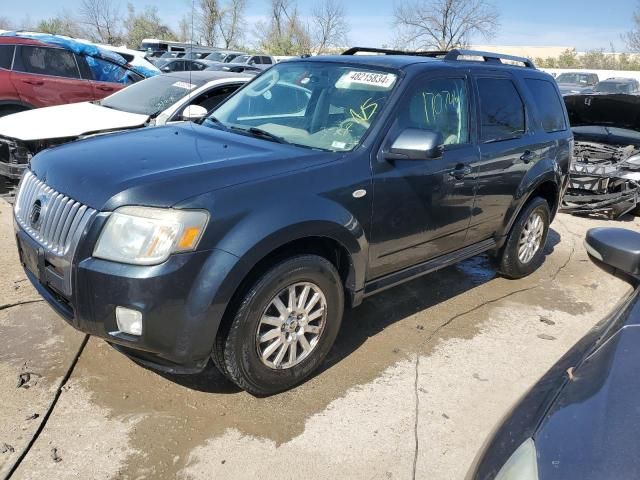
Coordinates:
[6,56]
[501,110]
[46,61]
[104,71]
[549,105]
[266,61]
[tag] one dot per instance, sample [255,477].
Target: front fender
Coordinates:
[265,230]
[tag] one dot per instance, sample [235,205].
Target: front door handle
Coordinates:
[527,156]
[460,171]
[34,82]
[105,89]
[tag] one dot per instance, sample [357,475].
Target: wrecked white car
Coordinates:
[605,173]
[156,101]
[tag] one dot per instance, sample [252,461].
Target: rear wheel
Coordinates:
[523,252]
[285,325]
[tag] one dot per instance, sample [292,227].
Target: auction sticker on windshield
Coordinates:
[381,80]
[185,85]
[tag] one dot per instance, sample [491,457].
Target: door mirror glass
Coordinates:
[616,247]
[416,144]
[194,112]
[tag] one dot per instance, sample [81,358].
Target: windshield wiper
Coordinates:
[219,123]
[258,132]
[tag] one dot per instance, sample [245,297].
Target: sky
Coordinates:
[583,24]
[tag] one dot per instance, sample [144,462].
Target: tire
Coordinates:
[311,333]
[510,264]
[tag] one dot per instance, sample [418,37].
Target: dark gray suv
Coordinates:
[319,183]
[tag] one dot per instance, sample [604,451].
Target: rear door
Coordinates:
[106,77]
[45,76]
[506,152]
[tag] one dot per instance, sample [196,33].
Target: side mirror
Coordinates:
[416,144]
[194,112]
[616,247]
[165,69]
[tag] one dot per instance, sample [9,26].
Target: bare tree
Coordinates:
[5,23]
[286,33]
[102,20]
[444,24]
[146,24]
[185,30]
[632,38]
[208,17]
[329,26]
[62,24]
[231,23]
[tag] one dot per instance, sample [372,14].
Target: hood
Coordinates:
[165,165]
[66,121]
[617,110]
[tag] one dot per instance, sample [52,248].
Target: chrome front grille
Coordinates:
[54,220]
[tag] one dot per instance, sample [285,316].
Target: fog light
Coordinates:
[129,321]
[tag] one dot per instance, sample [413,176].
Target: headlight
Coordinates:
[147,236]
[522,464]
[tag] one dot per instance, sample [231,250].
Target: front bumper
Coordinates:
[178,299]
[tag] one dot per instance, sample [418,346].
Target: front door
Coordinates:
[422,208]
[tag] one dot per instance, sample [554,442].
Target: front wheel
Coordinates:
[523,252]
[285,326]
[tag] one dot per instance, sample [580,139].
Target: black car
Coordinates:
[628,86]
[182,65]
[581,420]
[321,182]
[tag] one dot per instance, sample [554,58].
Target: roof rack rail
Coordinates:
[488,57]
[386,51]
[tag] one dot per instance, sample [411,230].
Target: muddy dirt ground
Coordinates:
[419,377]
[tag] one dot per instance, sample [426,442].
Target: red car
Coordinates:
[36,74]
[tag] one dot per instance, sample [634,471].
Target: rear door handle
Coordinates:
[105,89]
[460,171]
[527,156]
[34,82]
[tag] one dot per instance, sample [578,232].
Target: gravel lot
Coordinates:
[419,377]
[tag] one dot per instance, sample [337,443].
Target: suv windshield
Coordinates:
[241,59]
[314,105]
[613,87]
[573,78]
[150,96]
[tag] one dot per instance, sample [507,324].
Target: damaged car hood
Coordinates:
[67,121]
[605,172]
[616,110]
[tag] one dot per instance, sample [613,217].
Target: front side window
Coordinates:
[6,56]
[315,105]
[548,103]
[439,105]
[502,115]
[47,61]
